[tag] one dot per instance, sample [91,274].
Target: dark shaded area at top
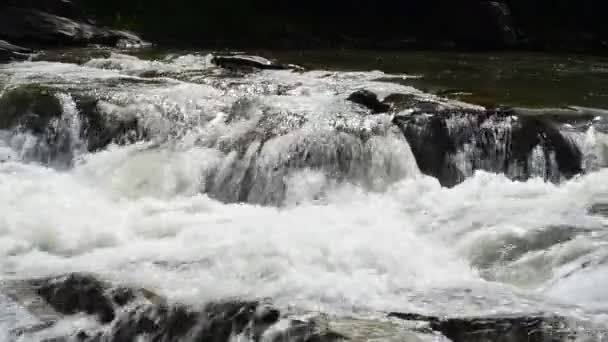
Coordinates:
[548,25]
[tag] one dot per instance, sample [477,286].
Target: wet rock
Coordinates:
[400,102]
[132,314]
[600,209]
[9,52]
[247,63]
[62,125]
[30,107]
[452,144]
[101,129]
[495,329]
[34,26]
[368,100]
[77,293]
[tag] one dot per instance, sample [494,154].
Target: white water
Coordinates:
[391,240]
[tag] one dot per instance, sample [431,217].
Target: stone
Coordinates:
[131,313]
[31,107]
[9,52]
[77,293]
[35,27]
[101,129]
[451,144]
[369,100]
[533,328]
[247,62]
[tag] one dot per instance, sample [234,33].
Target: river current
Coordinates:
[239,189]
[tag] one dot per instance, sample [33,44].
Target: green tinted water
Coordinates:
[515,79]
[519,79]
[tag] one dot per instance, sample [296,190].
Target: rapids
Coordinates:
[271,184]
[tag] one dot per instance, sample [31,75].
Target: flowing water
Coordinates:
[272,185]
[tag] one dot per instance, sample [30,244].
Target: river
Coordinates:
[270,184]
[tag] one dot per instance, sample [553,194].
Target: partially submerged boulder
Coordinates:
[532,328]
[30,107]
[9,52]
[248,62]
[132,313]
[452,144]
[369,100]
[62,124]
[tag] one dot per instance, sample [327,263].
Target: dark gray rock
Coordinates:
[534,328]
[495,140]
[37,110]
[248,63]
[132,313]
[77,293]
[9,52]
[100,130]
[369,100]
[34,27]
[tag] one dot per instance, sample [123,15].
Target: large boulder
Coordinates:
[63,125]
[529,328]
[240,62]
[131,314]
[9,52]
[369,100]
[36,27]
[30,107]
[452,144]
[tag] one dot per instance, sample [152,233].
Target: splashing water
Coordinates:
[271,184]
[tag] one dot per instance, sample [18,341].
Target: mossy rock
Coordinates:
[30,106]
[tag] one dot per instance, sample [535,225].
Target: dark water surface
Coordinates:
[518,79]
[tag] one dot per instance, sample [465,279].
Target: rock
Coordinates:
[77,293]
[246,62]
[31,26]
[452,144]
[600,209]
[496,329]
[131,314]
[101,129]
[369,100]
[31,107]
[9,52]
[39,110]
[401,102]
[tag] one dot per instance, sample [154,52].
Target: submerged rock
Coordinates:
[31,107]
[133,313]
[100,129]
[77,293]
[9,52]
[369,100]
[246,62]
[495,329]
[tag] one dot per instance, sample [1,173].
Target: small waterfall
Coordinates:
[452,145]
[56,144]
[71,126]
